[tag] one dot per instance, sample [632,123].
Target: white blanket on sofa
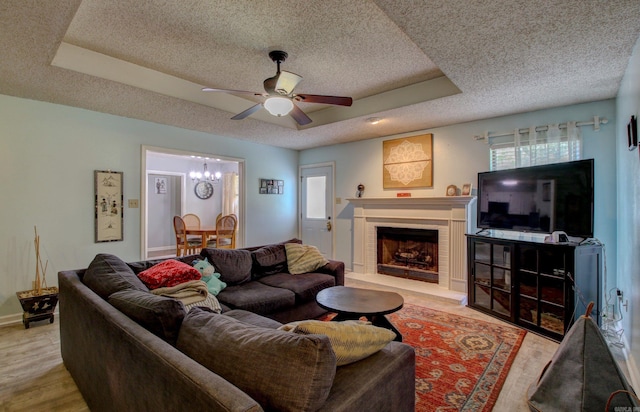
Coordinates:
[193,291]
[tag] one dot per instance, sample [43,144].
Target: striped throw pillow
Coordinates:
[351,340]
[303,258]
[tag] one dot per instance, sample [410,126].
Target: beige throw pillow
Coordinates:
[351,340]
[303,258]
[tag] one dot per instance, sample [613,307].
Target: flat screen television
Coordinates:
[543,199]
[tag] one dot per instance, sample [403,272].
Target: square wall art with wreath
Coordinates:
[407,162]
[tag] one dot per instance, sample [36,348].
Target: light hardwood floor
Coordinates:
[33,377]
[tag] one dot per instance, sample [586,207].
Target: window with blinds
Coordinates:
[552,144]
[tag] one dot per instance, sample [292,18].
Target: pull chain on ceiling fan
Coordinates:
[280,97]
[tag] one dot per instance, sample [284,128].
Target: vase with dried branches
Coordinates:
[40,302]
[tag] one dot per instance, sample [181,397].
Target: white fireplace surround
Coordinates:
[451,216]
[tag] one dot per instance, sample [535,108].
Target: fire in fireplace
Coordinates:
[408,253]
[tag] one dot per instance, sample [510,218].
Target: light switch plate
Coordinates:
[133,203]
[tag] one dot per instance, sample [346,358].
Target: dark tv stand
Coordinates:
[539,286]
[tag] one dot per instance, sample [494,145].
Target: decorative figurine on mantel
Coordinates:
[360,190]
[40,302]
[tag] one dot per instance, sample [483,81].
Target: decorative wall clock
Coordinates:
[204,190]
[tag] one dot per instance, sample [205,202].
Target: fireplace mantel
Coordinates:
[452,216]
[436,201]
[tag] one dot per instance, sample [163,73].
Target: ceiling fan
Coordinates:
[280,97]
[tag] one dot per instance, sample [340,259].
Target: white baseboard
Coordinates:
[161,248]
[10,319]
[17,318]
[632,367]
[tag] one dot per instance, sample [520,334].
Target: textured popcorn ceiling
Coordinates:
[415,64]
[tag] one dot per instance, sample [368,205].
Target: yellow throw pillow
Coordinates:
[351,340]
[303,258]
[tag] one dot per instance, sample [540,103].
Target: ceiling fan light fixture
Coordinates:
[278,106]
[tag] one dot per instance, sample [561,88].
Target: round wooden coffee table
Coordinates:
[354,303]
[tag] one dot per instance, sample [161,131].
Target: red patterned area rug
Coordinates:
[461,363]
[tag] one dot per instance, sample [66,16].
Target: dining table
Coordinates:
[206,233]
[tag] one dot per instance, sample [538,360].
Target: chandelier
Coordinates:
[205,175]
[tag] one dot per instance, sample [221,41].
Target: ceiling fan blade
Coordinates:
[315,98]
[287,81]
[251,110]
[210,89]
[299,116]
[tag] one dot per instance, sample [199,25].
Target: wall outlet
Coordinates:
[133,203]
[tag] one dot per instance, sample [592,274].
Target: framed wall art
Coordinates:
[109,210]
[271,187]
[161,185]
[407,162]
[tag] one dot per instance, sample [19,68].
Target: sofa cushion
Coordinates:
[168,273]
[253,318]
[269,260]
[303,258]
[281,371]
[305,286]
[107,274]
[257,297]
[351,340]
[160,315]
[234,265]
[293,240]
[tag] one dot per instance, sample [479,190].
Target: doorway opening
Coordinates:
[167,190]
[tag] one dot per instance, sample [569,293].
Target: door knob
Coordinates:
[329,226]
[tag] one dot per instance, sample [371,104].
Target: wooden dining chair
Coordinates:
[226,232]
[192,221]
[185,246]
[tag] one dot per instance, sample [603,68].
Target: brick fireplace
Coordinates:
[449,218]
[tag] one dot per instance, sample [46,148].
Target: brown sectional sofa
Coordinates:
[130,350]
[258,281]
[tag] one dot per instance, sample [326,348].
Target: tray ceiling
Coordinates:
[415,65]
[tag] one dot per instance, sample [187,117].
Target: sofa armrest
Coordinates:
[385,381]
[334,268]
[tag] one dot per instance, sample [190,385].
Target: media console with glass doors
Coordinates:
[539,286]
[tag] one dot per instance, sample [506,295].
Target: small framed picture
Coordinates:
[161,185]
[271,187]
[466,189]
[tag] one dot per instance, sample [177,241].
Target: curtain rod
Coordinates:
[596,122]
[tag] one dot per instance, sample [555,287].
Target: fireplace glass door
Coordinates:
[408,253]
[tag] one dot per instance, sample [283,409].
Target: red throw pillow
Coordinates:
[168,273]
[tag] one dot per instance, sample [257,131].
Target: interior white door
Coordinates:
[316,207]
